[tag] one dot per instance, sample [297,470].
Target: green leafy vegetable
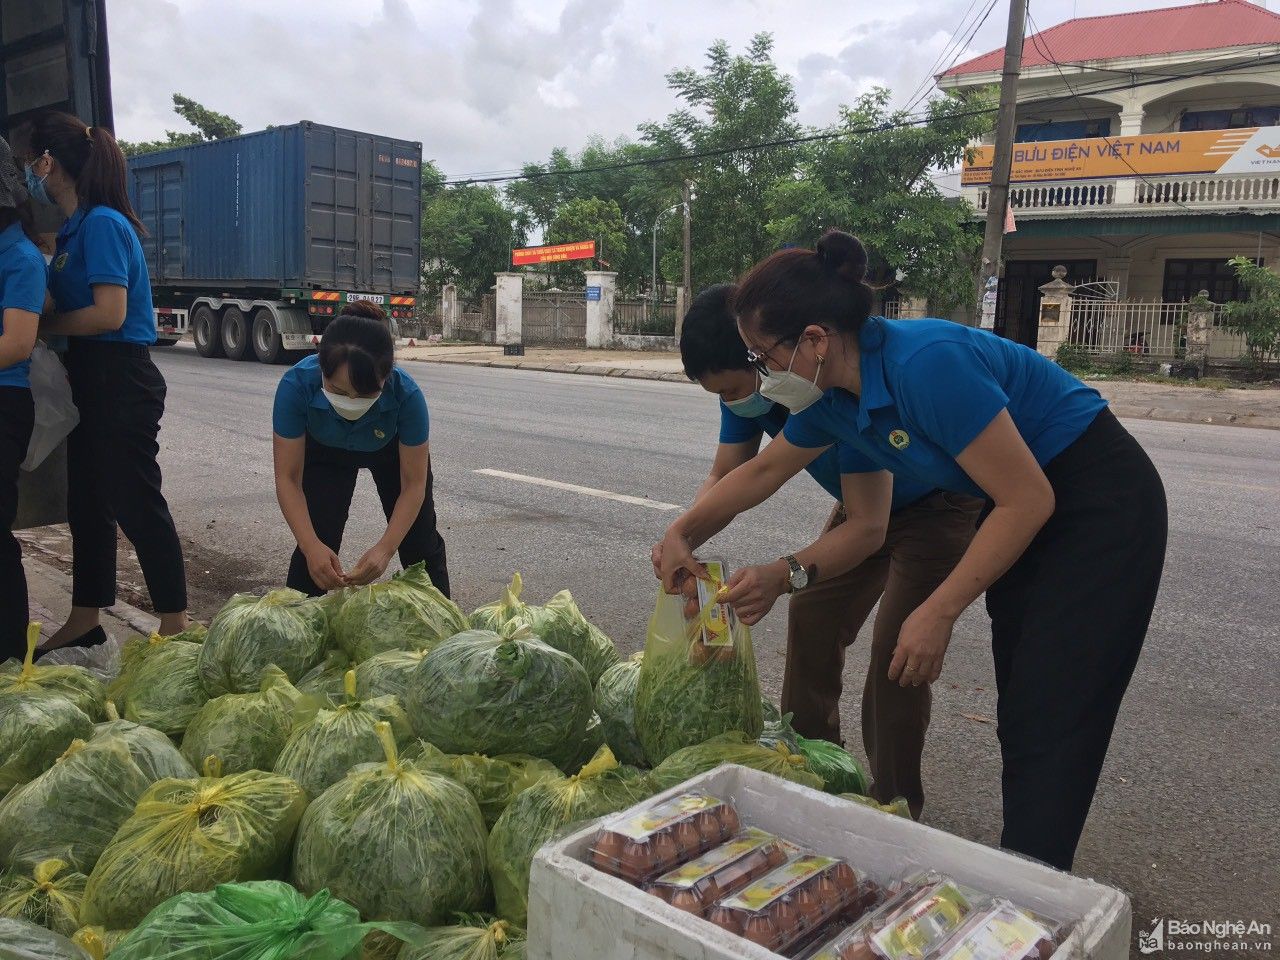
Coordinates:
[325,681]
[493,781]
[778,729]
[159,684]
[839,769]
[284,628]
[473,937]
[35,728]
[74,683]
[153,752]
[734,748]
[898,806]
[688,690]
[190,836]
[616,704]
[396,842]
[405,613]
[51,896]
[388,673]
[246,731]
[480,692]
[537,814]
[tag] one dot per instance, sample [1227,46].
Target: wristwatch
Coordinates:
[798,578]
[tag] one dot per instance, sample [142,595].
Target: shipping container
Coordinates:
[256,241]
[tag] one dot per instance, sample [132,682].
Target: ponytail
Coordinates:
[91,157]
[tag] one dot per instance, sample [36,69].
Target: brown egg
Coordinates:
[785,917]
[858,950]
[688,901]
[699,654]
[845,878]
[809,904]
[725,654]
[1045,949]
[710,890]
[709,827]
[661,892]
[688,838]
[726,919]
[637,859]
[729,821]
[607,849]
[775,855]
[691,607]
[760,929]
[828,893]
[666,852]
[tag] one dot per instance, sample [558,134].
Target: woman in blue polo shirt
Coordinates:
[21,300]
[345,408]
[1070,554]
[102,302]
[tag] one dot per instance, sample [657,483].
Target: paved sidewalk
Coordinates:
[1140,401]
[49,597]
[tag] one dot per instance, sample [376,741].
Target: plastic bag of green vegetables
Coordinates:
[480,692]
[616,704]
[387,673]
[51,895]
[23,940]
[778,729]
[74,683]
[246,731]
[285,628]
[160,684]
[254,921]
[542,811]
[191,835]
[325,681]
[734,748]
[575,756]
[493,781]
[396,842]
[473,937]
[840,770]
[72,810]
[98,942]
[698,678]
[405,613]
[153,752]
[35,728]
[320,751]
[898,806]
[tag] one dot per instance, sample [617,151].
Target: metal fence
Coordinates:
[644,318]
[897,310]
[1152,329]
[555,316]
[479,322]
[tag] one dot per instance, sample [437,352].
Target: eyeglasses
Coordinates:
[757,360]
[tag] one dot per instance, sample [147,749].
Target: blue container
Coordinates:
[301,207]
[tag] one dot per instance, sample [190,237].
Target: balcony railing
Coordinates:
[1169,194]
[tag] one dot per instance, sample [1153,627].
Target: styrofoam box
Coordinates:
[577,912]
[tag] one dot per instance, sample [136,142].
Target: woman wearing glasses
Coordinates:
[1070,553]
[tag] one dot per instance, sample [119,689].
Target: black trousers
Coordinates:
[113,475]
[329,482]
[1068,621]
[17,416]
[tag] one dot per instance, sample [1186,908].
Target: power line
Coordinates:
[958,51]
[922,88]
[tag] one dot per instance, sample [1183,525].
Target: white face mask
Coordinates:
[349,408]
[790,389]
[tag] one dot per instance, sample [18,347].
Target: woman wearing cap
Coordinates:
[345,408]
[102,301]
[1070,554]
[22,279]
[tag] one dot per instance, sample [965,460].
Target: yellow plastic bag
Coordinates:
[98,942]
[245,731]
[471,938]
[75,683]
[493,781]
[159,683]
[51,896]
[734,748]
[191,835]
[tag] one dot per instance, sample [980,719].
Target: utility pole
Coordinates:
[1002,160]
[688,267]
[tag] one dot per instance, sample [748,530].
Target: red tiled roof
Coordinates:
[1200,26]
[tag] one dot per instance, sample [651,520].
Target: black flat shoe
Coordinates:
[93,638]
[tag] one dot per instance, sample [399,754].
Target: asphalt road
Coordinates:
[1187,817]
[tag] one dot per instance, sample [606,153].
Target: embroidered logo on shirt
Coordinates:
[60,261]
[379,434]
[899,440]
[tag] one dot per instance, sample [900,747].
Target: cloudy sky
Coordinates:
[489,84]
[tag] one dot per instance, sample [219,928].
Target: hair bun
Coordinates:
[363,308]
[843,253]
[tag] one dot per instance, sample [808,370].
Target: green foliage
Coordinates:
[1074,359]
[468,232]
[1119,363]
[587,218]
[1257,318]
[209,124]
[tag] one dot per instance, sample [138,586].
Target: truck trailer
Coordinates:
[255,242]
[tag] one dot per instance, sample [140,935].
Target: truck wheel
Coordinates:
[235,333]
[267,344]
[206,328]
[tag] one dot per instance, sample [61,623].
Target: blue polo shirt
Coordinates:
[929,387]
[21,288]
[829,465]
[301,408]
[101,246]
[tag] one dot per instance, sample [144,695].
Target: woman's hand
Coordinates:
[753,591]
[922,644]
[325,568]
[674,561]
[370,567]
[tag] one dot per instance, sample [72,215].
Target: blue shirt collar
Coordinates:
[10,236]
[875,392]
[72,223]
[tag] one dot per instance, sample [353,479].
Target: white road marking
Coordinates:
[585,491]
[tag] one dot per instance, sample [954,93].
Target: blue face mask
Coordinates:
[751,406]
[35,187]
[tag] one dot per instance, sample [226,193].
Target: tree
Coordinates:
[878,186]
[468,232]
[588,219]
[209,124]
[1257,317]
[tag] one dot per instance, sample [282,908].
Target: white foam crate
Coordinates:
[576,912]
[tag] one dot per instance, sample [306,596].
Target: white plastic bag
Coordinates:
[56,413]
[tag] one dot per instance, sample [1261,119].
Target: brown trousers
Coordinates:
[923,544]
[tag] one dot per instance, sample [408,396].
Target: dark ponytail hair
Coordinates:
[795,288]
[91,157]
[359,337]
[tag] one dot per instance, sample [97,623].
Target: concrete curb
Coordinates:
[135,619]
[1127,411]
